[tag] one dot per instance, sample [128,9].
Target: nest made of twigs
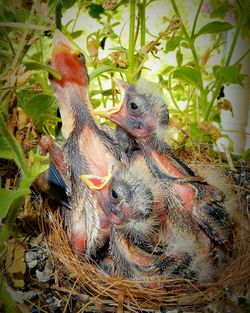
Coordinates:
[97,292]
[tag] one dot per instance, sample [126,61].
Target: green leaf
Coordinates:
[58,15]
[112,36]
[34,65]
[220,10]
[107,92]
[68,3]
[214,27]
[189,74]
[76,34]
[172,44]
[230,74]
[185,45]
[178,88]
[179,57]
[5,150]
[5,54]
[8,196]
[42,108]
[104,69]
[246,155]
[167,69]
[38,164]
[95,10]
[196,133]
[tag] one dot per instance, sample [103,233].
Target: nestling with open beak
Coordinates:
[144,115]
[144,243]
[88,148]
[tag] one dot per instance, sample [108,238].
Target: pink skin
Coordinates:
[185,191]
[74,78]
[48,145]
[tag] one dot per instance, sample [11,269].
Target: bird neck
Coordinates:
[157,142]
[82,116]
[157,148]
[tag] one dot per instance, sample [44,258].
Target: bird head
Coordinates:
[71,90]
[70,64]
[124,197]
[142,110]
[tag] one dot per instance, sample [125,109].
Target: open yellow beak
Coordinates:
[108,112]
[94,182]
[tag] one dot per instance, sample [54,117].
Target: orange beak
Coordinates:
[108,112]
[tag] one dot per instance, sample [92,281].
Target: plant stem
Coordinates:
[100,86]
[242,17]
[143,22]
[171,94]
[196,18]
[243,56]
[9,41]
[42,61]
[190,41]
[131,49]
[77,15]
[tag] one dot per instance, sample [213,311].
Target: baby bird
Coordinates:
[144,115]
[144,243]
[88,148]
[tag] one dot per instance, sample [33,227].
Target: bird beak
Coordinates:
[94,182]
[59,39]
[108,112]
[61,44]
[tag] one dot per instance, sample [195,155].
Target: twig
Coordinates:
[24,26]
[9,42]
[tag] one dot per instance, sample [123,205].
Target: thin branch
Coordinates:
[196,18]
[131,49]
[24,26]
[143,22]
[9,42]
[190,41]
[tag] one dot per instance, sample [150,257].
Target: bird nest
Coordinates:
[81,284]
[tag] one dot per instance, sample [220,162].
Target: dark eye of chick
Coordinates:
[114,194]
[133,106]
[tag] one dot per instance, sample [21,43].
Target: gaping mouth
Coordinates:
[95,182]
[108,112]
